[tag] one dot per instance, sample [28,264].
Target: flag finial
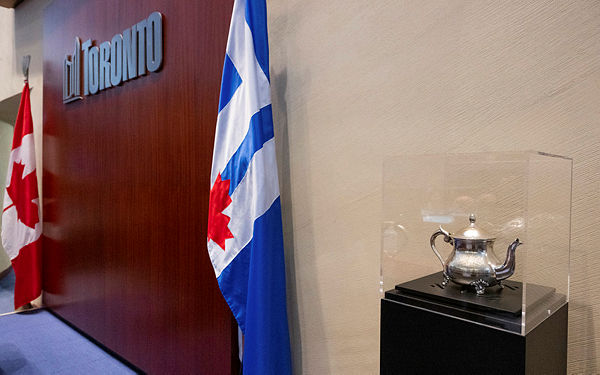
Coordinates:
[26,61]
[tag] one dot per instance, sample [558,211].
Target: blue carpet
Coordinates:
[7,289]
[38,343]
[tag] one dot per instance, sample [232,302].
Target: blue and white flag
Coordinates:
[245,240]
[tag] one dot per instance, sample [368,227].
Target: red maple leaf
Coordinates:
[217,220]
[22,192]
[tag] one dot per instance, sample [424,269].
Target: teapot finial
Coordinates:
[472,218]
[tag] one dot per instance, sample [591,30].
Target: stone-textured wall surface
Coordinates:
[355,82]
[28,40]
[11,82]
[21,34]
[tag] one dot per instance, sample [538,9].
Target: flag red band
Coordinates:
[21,221]
[27,266]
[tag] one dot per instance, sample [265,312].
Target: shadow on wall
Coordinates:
[9,109]
[8,113]
[6,135]
[295,298]
[29,34]
[286,215]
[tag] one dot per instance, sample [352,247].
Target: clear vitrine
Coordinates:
[483,202]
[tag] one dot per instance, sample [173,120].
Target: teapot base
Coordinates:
[480,286]
[446,280]
[508,300]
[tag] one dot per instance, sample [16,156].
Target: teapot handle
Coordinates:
[447,238]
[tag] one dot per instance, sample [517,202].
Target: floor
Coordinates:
[37,342]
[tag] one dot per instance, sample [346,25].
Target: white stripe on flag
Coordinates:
[254,195]
[24,154]
[253,94]
[15,234]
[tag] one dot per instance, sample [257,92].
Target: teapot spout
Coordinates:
[508,268]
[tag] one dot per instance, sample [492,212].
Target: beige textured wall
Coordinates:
[11,84]
[21,34]
[354,82]
[28,40]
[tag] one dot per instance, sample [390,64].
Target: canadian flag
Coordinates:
[21,224]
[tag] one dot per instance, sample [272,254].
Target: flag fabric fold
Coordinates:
[245,240]
[21,223]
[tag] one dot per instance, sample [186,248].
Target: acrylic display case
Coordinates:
[524,195]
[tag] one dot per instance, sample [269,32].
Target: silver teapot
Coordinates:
[472,261]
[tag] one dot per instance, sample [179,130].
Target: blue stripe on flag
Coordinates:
[253,282]
[256,17]
[259,306]
[259,132]
[229,83]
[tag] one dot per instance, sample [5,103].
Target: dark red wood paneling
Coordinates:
[126,183]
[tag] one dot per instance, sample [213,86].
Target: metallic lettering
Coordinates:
[93,69]
[141,34]
[72,74]
[67,66]
[129,54]
[116,59]
[154,42]
[104,65]
[85,47]
[138,50]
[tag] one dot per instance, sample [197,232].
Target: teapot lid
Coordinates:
[472,232]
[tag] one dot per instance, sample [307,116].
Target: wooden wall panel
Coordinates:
[126,183]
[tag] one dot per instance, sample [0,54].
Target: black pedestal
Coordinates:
[421,334]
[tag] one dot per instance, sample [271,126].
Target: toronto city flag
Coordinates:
[21,224]
[245,240]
